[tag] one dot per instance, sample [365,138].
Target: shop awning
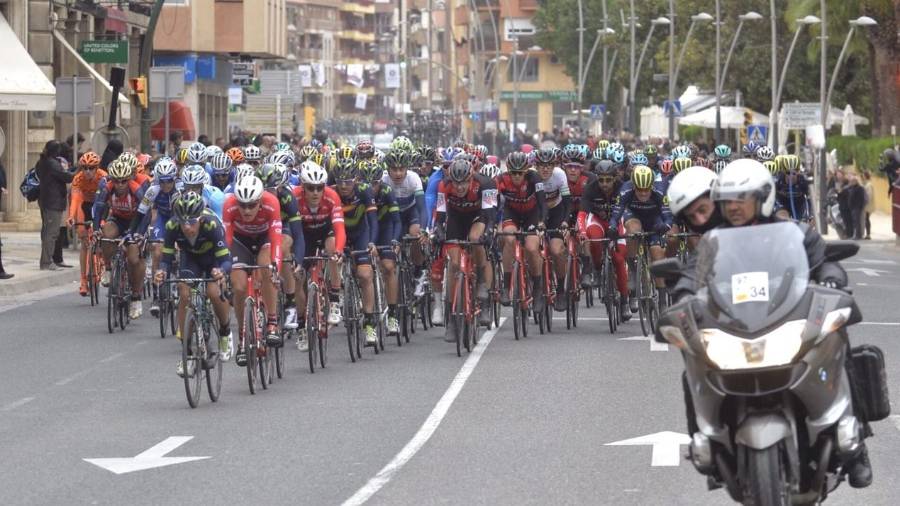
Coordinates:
[23,85]
[180,120]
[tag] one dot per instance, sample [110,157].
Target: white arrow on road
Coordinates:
[870,261]
[149,459]
[867,271]
[654,346]
[666,446]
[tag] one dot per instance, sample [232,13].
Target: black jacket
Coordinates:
[856,197]
[53,184]
[819,268]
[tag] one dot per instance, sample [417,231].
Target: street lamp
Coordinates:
[660,21]
[587,68]
[720,82]
[702,18]
[802,22]
[517,75]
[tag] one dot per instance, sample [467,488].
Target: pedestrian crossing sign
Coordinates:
[757,133]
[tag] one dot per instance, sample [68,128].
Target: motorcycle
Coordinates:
[779,408]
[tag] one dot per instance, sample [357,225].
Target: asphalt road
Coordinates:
[517,422]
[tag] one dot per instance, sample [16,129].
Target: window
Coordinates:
[527,114]
[528,73]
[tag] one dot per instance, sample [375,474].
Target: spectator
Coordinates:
[175,140]
[3,191]
[220,141]
[113,149]
[870,202]
[856,202]
[843,201]
[52,202]
[70,152]
[204,139]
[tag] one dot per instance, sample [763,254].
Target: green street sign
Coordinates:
[104,51]
[540,96]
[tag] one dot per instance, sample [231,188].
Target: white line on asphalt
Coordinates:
[429,427]
[654,346]
[19,403]
[69,379]
[584,318]
[889,324]
[112,357]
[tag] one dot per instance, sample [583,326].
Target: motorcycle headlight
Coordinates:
[778,347]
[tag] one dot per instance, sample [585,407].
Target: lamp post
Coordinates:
[750,16]
[808,20]
[587,68]
[863,21]
[702,18]
[518,75]
[660,21]
[774,78]
[671,68]
[580,56]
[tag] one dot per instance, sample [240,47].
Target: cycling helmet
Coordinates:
[480,151]
[572,153]
[285,157]
[243,170]
[764,153]
[165,169]
[346,170]
[345,153]
[689,185]
[638,159]
[372,171]
[746,178]
[188,206]
[316,143]
[221,163]
[212,150]
[650,150]
[307,152]
[451,153]
[252,153]
[489,170]
[283,146]
[681,152]
[129,160]
[194,174]
[605,168]
[722,151]
[312,173]
[545,156]
[249,189]
[599,154]
[398,158]
[720,165]
[642,177]
[791,163]
[772,167]
[401,143]
[118,170]
[196,153]
[617,157]
[681,163]
[517,161]
[428,154]
[89,159]
[602,144]
[665,166]
[703,162]
[181,156]
[364,149]
[750,148]
[459,170]
[236,155]
[270,174]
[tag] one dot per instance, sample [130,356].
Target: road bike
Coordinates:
[407,302]
[316,307]
[544,319]
[353,316]
[464,306]
[520,287]
[645,289]
[118,294]
[200,344]
[608,293]
[259,363]
[93,262]
[166,298]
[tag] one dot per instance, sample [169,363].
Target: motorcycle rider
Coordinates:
[745,195]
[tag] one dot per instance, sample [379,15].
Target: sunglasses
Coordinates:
[314,188]
[121,181]
[248,205]
[606,180]
[517,173]
[347,182]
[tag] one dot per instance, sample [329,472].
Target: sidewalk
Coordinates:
[881,229]
[21,255]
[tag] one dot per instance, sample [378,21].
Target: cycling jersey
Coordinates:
[793,196]
[410,198]
[360,216]
[595,202]
[319,222]
[200,255]
[267,222]
[290,220]
[478,205]
[122,208]
[653,213]
[84,191]
[522,199]
[214,199]
[154,198]
[431,194]
[556,187]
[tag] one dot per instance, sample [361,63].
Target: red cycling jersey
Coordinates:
[520,197]
[120,206]
[267,221]
[329,213]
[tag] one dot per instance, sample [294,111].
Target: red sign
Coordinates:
[116,20]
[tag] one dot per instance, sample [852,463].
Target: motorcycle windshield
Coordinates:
[750,277]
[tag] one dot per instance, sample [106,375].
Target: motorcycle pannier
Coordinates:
[871,381]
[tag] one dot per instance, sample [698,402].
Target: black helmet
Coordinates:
[397,158]
[460,169]
[545,156]
[605,168]
[516,161]
[188,206]
[428,154]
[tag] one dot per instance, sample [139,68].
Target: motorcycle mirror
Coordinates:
[835,251]
[668,269]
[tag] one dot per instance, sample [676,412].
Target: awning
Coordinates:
[730,117]
[125,112]
[180,120]
[23,85]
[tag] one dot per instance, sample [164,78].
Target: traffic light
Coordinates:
[139,90]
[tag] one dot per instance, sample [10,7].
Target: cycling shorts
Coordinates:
[555,218]
[385,252]
[458,228]
[196,266]
[524,222]
[647,225]
[245,250]
[408,218]
[357,240]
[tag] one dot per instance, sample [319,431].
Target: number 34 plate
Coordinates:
[749,287]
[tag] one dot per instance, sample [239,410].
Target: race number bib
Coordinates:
[749,287]
[441,203]
[488,199]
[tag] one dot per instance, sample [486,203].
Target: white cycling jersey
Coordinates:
[555,187]
[407,191]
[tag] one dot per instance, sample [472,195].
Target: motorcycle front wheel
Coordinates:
[765,480]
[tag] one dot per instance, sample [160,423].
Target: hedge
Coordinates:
[865,153]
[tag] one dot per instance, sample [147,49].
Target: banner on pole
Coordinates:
[355,74]
[361,99]
[391,75]
[305,75]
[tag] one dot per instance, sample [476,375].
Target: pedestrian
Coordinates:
[114,148]
[856,202]
[870,202]
[843,196]
[52,202]
[71,151]
[3,191]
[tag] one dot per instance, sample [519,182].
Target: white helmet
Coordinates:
[312,173]
[165,169]
[490,170]
[252,153]
[194,174]
[212,150]
[243,170]
[197,153]
[746,178]
[249,189]
[688,185]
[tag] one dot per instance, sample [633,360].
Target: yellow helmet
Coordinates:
[791,163]
[682,163]
[119,170]
[345,152]
[642,177]
[773,167]
[182,156]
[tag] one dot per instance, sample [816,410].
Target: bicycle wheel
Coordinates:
[351,316]
[644,286]
[250,342]
[515,302]
[312,325]
[172,310]
[495,293]
[609,290]
[91,274]
[112,301]
[213,365]
[124,299]
[163,301]
[190,358]
[323,348]
[458,315]
[266,366]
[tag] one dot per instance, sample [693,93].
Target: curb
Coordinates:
[51,279]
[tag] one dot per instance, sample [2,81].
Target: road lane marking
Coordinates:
[69,379]
[112,357]
[666,447]
[429,427]
[17,404]
[872,273]
[888,324]
[654,346]
[153,457]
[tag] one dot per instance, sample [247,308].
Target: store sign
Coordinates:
[541,96]
[104,51]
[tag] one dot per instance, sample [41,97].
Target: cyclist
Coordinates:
[792,198]
[642,207]
[222,169]
[253,234]
[467,204]
[323,230]
[194,178]
[364,150]
[389,227]
[84,190]
[158,197]
[524,210]
[292,242]
[596,208]
[361,225]
[252,155]
[200,237]
[119,195]
[411,199]
[555,184]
